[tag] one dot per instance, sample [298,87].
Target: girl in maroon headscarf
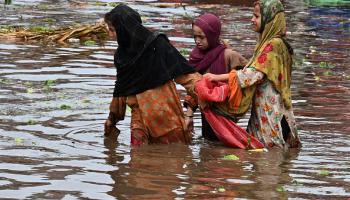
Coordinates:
[209,55]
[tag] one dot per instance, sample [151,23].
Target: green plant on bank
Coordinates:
[8,2]
[41,29]
[96,32]
[7,29]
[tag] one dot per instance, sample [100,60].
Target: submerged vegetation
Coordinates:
[82,33]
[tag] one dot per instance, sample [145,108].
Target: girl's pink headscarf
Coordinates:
[212,58]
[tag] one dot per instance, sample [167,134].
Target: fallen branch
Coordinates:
[97,32]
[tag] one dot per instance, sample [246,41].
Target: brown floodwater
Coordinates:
[54,100]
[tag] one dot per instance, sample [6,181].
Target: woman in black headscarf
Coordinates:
[146,66]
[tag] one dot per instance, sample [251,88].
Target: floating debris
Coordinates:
[323,172]
[258,150]
[230,157]
[221,189]
[31,122]
[280,189]
[65,107]
[97,32]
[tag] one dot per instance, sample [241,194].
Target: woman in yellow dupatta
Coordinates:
[265,81]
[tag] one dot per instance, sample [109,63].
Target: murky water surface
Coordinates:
[54,100]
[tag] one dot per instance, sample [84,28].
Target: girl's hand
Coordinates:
[211,77]
[216,77]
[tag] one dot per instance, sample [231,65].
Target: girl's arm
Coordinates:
[117,110]
[249,76]
[216,77]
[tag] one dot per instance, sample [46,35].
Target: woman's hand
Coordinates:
[110,128]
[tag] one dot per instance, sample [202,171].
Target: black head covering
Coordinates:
[144,60]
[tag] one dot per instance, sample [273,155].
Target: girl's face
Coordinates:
[112,33]
[256,19]
[200,38]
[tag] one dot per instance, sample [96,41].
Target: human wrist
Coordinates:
[112,118]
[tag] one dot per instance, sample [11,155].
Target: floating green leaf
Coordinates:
[323,172]
[18,140]
[43,7]
[89,43]
[86,101]
[27,83]
[30,90]
[230,157]
[50,82]
[296,183]
[221,189]
[31,122]
[280,188]
[3,81]
[325,65]
[100,4]
[65,107]
[113,4]
[327,73]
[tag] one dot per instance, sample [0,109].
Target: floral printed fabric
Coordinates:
[275,62]
[269,9]
[268,110]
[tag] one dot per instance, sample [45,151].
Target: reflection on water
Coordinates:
[54,100]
